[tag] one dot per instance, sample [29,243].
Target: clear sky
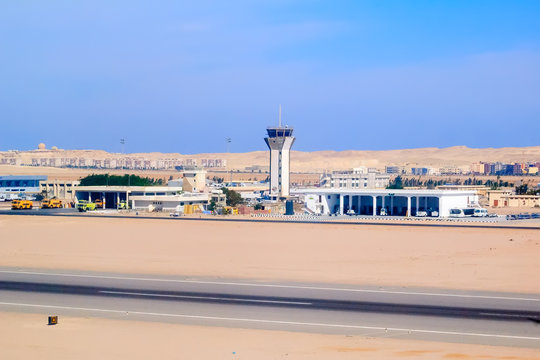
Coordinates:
[181,76]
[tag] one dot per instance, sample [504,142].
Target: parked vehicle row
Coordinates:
[523,216]
[469,212]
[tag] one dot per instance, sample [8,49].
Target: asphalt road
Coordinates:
[333,220]
[451,316]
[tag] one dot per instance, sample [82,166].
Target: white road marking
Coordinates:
[506,315]
[280,322]
[207,298]
[274,286]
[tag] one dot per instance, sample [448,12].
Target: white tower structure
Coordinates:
[279,141]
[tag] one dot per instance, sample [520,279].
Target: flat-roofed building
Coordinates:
[394,202]
[170,202]
[355,179]
[19,186]
[60,189]
[393,169]
[194,179]
[531,201]
[506,198]
[480,189]
[113,196]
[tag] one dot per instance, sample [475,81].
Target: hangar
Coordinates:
[396,202]
[112,196]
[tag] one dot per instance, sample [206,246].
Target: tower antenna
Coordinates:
[279,115]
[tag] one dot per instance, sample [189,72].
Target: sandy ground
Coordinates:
[26,336]
[461,258]
[320,160]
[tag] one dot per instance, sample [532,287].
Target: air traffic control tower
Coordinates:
[280,141]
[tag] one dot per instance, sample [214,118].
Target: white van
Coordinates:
[456,213]
[480,212]
[465,212]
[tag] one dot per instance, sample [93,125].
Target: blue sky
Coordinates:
[176,76]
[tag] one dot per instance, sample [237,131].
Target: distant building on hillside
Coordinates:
[423,171]
[358,178]
[394,170]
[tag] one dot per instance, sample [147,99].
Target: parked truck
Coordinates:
[99,203]
[84,206]
[51,203]
[21,204]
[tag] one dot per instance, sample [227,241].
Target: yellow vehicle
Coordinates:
[51,203]
[99,203]
[84,206]
[21,204]
[230,210]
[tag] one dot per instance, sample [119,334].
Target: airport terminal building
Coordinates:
[400,202]
[20,186]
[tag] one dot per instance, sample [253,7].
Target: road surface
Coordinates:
[427,314]
[479,223]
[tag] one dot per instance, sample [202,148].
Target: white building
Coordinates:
[194,180]
[61,189]
[113,196]
[170,202]
[20,186]
[358,178]
[395,202]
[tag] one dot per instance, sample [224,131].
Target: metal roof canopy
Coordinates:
[385,192]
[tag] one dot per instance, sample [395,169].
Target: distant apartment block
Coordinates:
[358,178]
[124,162]
[394,170]
[498,168]
[450,170]
[423,171]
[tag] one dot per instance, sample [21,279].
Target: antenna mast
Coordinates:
[279,115]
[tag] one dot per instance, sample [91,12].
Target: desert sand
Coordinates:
[26,336]
[459,258]
[302,161]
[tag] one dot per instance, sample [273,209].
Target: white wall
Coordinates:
[449,202]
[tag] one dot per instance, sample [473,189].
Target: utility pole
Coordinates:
[123,143]
[228,140]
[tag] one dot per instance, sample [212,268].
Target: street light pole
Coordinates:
[228,140]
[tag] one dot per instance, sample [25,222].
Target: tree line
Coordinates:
[119,180]
[399,183]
